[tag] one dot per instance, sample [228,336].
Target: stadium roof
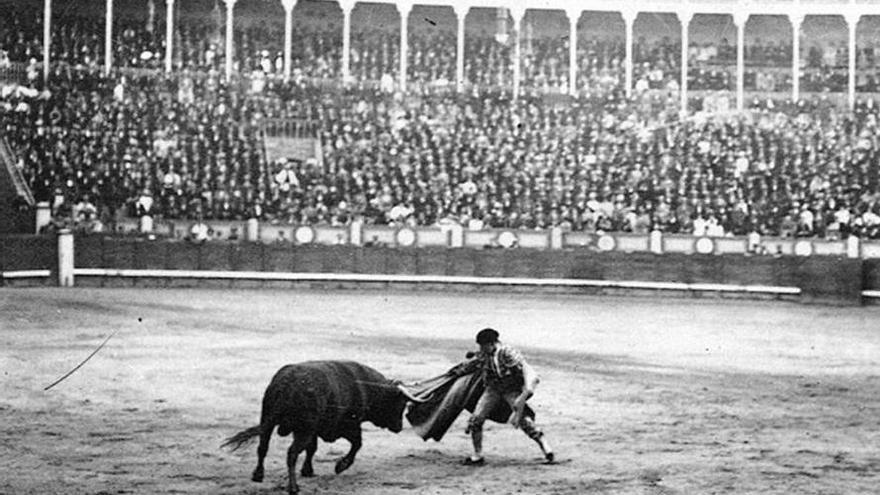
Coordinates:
[847,8]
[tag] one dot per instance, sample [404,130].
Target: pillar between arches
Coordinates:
[288,36]
[108,38]
[230,7]
[169,34]
[461,11]
[404,8]
[740,18]
[852,21]
[518,13]
[629,17]
[47,39]
[797,21]
[574,15]
[685,17]
[347,7]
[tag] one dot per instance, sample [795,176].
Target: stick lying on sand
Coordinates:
[56,382]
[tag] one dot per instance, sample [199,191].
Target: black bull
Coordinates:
[327,400]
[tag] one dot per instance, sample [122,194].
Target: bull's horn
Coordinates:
[409,395]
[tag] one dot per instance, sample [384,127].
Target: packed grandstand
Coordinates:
[101,143]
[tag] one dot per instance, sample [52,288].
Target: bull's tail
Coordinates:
[242,438]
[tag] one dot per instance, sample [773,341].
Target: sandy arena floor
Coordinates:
[642,396]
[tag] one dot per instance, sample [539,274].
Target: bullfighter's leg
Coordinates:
[262,448]
[484,406]
[354,437]
[307,470]
[300,442]
[531,430]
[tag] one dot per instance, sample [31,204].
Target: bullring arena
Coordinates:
[640,394]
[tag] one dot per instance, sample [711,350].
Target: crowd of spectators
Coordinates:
[189,146]
[78,38]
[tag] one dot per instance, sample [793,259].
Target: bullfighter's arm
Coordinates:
[530,382]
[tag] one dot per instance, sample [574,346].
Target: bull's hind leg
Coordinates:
[262,448]
[307,470]
[300,442]
[354,437]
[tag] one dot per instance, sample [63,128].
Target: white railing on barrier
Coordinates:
[426,279]
[432,279]
[25,274]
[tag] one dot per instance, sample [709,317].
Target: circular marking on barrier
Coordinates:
[803,248]
[704,245]
[199,231]
[406,237]
[507,239]
[304,234]
[606,243]
[146,224]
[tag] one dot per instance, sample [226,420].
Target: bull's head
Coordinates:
[398,396]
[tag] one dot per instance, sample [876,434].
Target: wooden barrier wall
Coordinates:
[28,252]
[821,278]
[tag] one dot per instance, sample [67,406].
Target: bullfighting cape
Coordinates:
[448,394]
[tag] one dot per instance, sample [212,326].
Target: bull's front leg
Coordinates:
[353,435]
[300,442]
